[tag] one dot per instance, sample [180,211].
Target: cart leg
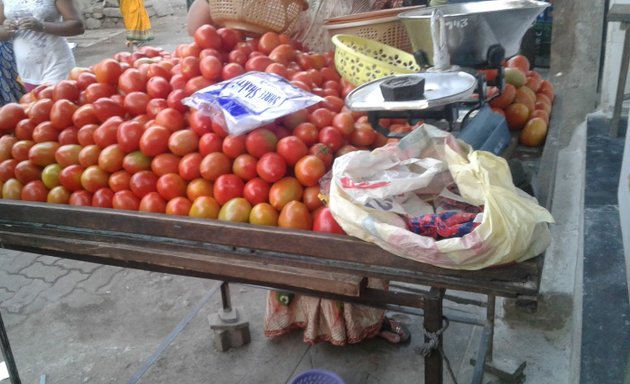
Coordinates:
[8,355]
[231,329]
[506,370]
[433,371]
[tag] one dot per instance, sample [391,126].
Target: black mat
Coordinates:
[606,312]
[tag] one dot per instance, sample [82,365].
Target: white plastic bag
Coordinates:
[250,100]
[369,190]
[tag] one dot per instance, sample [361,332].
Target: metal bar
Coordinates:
[8,355]
[490,310]
[480,361]
[226,301]
[621,84]
[433,371]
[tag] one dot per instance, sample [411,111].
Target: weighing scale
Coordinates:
[451,92]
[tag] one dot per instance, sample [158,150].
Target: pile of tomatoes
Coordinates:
[525,100]
[117,135]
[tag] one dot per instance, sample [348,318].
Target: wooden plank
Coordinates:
[258,244]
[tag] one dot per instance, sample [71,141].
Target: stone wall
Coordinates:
[106,13]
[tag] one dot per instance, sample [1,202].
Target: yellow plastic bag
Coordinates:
[369,191]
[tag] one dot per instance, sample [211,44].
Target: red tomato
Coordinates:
[70,177]
[96,91]
[142,183]
[135,103]
[195,84]
[85,79]
[231,70]
[331,137]
[344,122]
[188,167]
[24,130]
[108,71]
[271,167]
[170,186]
[44,131]
[178,206]
[256,191]
[363,135]
[162,69]
[260,141]
[84,115]
[158,88]
[333,103]
[34,191]
[292,149]
[88,155]
[199,122]
[104,108]
[206,36]
[283,191]
[178,81]
[58,195]
[105,134]
[258,63]
[128,135]
[7,169]
[12,189]
[233,146]
[165,163]
[190,67]
[322,117]
[152,202]
[227,187]
[295,215]
[80,198]
[244,166]
[10,115]
[126,200]
[205,207]
[197,188]
[174,100]
[85,135]
[132,80]
[323,152]
[94,178]
[111,158]
[229,38]
[309,170]
[68,136]
[268,42]
[214,165]
[307,132]
[310,197]
[210,142]
[40,111]
[20,150]
[61,113]
[211,68]
[154,106]
[323,221]
[154,140]
[66,90]
[170,118]
[135,162]
[103,198]
[43,154]
[68,154]
[183,142]
[119,181]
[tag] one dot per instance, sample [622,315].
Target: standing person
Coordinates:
[38,29]
[137,22]
[10,88]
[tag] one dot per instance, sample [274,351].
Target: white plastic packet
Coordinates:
[250,101]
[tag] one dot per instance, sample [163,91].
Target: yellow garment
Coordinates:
[137,22]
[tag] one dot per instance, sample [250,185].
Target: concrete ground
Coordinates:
[78,322]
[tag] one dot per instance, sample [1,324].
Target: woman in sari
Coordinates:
[10,88]
[137,22]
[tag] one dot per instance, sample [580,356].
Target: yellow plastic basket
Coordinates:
[360,60]
[389,31]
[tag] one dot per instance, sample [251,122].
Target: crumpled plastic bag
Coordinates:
[370,192]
